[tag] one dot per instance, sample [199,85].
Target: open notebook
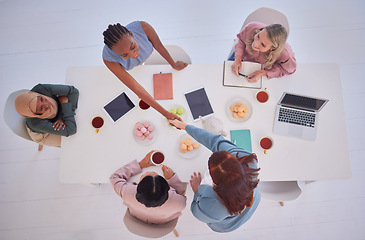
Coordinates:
[232,80]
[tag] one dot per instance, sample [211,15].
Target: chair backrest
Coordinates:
[140,228]
[267,16]
[280,190]
[176,52]
[12,118]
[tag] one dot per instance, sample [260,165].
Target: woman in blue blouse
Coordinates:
[233,196]
[129,46]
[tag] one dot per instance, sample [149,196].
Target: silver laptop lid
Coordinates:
[302,102]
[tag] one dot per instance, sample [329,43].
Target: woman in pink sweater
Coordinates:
[266,45]
[155,199]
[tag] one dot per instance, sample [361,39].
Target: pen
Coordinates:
[243,75]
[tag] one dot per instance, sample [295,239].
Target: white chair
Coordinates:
[140,228]
[267,16]
[15,121]
[280,191]
[176,52]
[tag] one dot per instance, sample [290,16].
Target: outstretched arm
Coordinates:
[156,42]
[137,88]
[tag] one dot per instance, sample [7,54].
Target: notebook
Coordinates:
[230,79]
[297,116]
[162,86]
[242,139]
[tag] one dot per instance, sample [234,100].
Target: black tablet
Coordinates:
[199,103]
[118,107]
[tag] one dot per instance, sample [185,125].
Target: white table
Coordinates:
[88,157]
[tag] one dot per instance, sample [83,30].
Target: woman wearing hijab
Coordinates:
[49,110]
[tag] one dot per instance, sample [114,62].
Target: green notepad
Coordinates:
[242,139]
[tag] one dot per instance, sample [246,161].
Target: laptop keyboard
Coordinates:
[296,117]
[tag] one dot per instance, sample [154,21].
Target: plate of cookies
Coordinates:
[187,146]
[239,110]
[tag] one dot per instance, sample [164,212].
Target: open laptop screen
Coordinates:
[303,102]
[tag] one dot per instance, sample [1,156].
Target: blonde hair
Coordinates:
[277,36]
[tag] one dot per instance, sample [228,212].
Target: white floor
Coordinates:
[40,39]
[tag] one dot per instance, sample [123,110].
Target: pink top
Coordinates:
[168,211]
[285,64]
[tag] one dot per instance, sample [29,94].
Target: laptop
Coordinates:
[297,116]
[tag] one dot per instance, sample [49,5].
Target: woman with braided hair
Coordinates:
[129,46]
[231,196]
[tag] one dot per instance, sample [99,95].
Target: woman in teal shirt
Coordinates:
[233,197]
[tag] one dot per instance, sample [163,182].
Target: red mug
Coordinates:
[266,143]
[157,158]
[143,105]
[97,123]
[262,96]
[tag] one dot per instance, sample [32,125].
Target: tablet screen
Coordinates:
[198,103]
[119,106]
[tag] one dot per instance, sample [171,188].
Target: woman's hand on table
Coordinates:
[195,181]
[168,173]
[254,77]
[179,65]
[178,124]
[145,162]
